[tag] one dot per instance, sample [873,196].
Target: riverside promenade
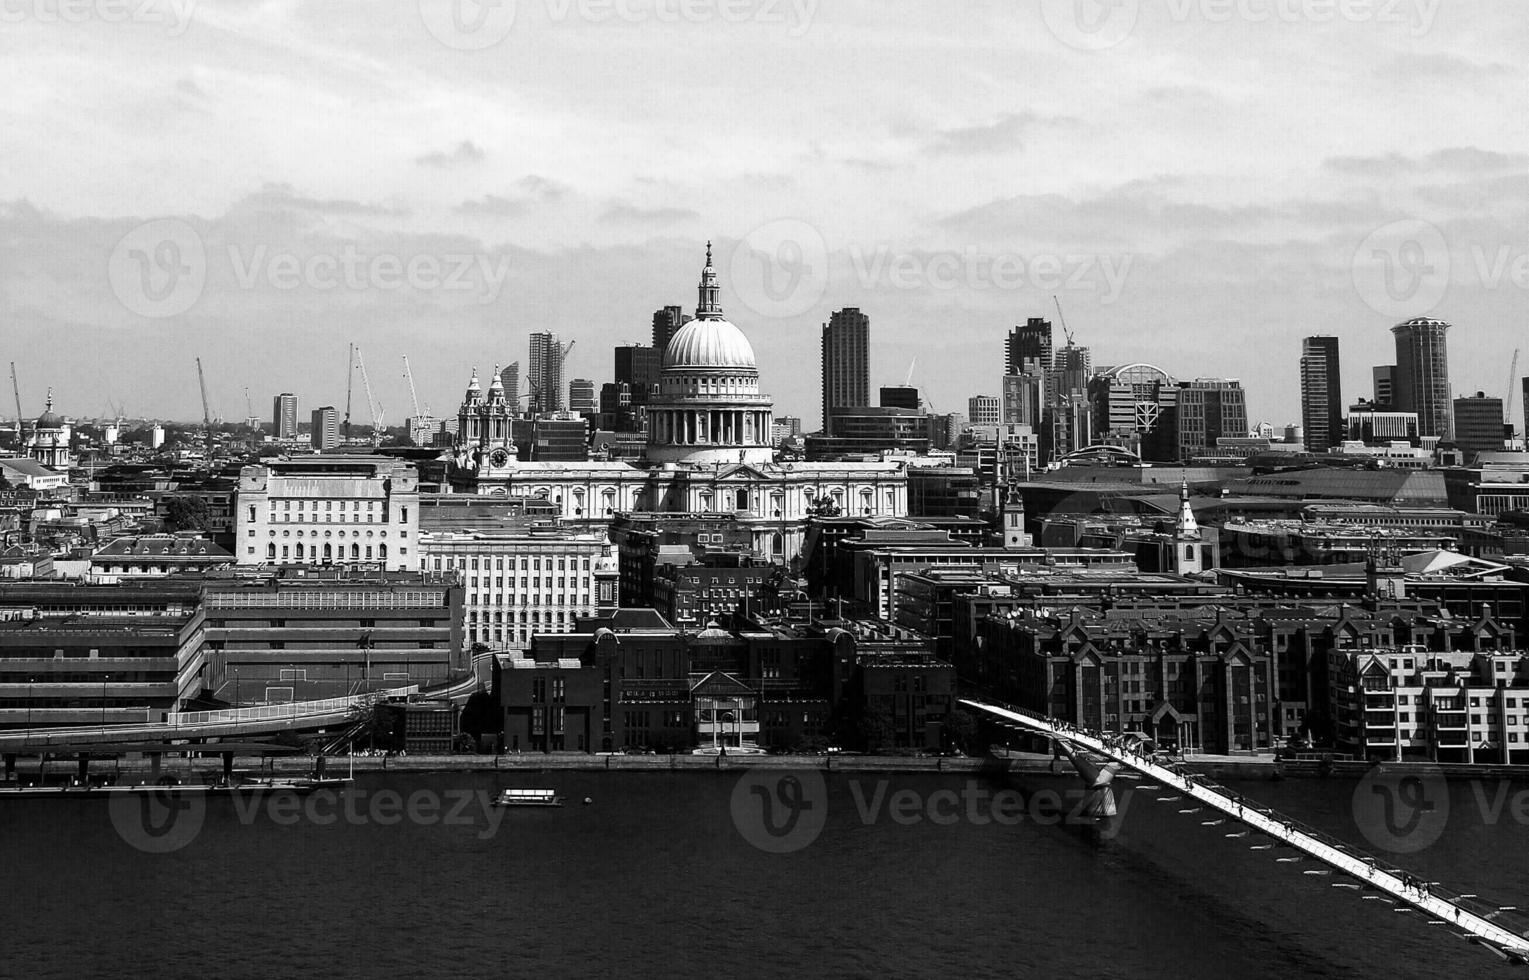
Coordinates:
[1029,763]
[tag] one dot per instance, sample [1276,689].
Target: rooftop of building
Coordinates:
[164,546]
[116,627]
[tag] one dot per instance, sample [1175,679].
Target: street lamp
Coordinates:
[237,702]
[104,679]
[30,682]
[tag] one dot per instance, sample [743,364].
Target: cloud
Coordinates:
[620,212]
[1457,159]
[1004,133]
[466,152]
[284,197]
[532,192]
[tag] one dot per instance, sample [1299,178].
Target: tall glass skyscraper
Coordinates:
[1422,375]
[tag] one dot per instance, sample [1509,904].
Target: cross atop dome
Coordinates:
[708,305]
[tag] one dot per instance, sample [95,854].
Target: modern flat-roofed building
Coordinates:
[1478,424]
[300,634]
[79,670]
[284,416]
[324,429]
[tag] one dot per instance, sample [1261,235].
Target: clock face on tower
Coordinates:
[499,458]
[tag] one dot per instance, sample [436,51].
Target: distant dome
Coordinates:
[709,343]
[48,420]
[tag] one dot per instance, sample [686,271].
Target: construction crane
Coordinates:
[15,390]
[350,374]
[201,380]
[408,374]
[371,403]
[1507,404]
[1062,319]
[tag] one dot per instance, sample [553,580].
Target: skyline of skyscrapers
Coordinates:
[1321,393]
[845,363]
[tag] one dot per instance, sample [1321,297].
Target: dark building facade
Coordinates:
[1478,424]
[1202,685]
[630,680]
[1028,348]
[846,364]
[1321,393]
[667,323]
[866,430]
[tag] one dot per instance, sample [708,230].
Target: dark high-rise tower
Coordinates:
[1028,348]
[846,363]
[546,373]
[1321,393]
[1422,375]
[667,323]
[510,378]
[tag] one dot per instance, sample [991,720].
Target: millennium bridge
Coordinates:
[1501,929]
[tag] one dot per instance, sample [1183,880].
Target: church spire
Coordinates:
[708,305]
[1187,526]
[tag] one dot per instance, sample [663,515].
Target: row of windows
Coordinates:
[498,564]
[287,534]
[329,553]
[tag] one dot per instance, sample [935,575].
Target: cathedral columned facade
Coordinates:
[709,449]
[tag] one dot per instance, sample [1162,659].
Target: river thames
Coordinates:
[694,874]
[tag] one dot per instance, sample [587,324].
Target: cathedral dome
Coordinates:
[709,343]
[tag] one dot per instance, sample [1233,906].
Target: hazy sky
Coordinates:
[1202,183]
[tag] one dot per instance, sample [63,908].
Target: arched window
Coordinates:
[270,551]
[382,552]
[299,551]
[328,553]
[355,550]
